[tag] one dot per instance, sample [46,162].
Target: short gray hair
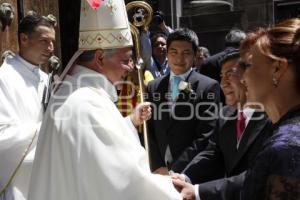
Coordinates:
[109,52]
[90,54]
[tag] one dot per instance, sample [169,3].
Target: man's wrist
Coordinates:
[131,116]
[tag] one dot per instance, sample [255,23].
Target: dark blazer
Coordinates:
[180,126]
[221,158]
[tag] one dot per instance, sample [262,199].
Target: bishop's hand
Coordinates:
[141,113]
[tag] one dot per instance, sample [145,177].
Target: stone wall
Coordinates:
[212,22]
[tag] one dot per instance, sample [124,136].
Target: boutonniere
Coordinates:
[185,86]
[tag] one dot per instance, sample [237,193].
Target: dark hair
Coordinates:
[234,37]
[32,20]
[183,34]
[158,17]
[233,54]
[157,35]
[205,51]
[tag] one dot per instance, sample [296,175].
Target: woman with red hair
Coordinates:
[272,77]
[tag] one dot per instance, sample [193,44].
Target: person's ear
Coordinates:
[99,56]
[280,66]
[24,39]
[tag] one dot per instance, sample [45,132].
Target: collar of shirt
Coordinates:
[34,69]
[248,112]
[163,65]
[28,65]
[90,78]
[158,69]
[182,76]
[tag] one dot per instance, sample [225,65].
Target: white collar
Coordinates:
[182,76]
[89,78]
[31,67]
[248,112]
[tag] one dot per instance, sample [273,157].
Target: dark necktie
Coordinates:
[240,125]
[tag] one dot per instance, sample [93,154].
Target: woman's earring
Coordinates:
[275,83]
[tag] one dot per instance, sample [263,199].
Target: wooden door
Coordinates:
[9,37]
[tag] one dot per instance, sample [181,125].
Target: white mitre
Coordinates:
[106,27]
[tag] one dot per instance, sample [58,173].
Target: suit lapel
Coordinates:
[163,87]
[227,135]
[163,90]
[227,112]
[252,130]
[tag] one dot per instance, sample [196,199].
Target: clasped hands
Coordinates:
[187,190]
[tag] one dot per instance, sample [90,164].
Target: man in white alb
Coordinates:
[21,89]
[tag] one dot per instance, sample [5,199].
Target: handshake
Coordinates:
[182,185]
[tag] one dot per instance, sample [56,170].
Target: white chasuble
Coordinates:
[87,151]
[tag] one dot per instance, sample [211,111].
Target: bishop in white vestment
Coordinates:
[87,151]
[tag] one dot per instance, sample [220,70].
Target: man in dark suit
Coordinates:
[219,170]
[185,106]
[211,66]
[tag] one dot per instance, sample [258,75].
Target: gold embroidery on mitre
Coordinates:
[98,38]
[84,8]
